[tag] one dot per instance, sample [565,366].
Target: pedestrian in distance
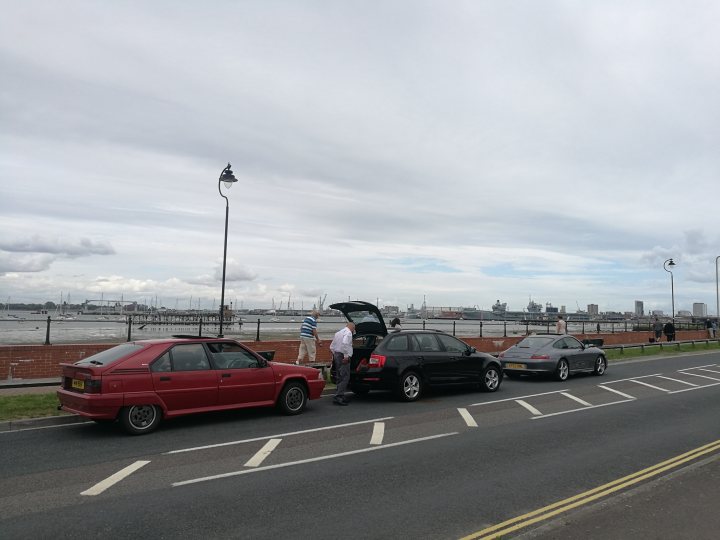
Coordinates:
[342,350]
[658,329]
[669,330]
[710,329]
[714,329]
[309,338]
[395,324]
[561,325]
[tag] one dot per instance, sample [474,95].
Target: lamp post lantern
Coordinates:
[228,178]
[670,263]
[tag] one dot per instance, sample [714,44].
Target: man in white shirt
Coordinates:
[561,326]
[342,350]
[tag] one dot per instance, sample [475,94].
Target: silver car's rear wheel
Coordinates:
[563,370]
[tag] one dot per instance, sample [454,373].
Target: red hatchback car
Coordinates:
[142,382]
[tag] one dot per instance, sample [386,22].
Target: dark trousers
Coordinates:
[343,375]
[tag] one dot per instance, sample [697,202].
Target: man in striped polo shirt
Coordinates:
[308,338]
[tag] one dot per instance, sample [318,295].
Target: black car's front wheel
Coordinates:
[410,386]
[491,379]
[563,370]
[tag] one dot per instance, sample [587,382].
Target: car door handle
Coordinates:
[164,378]
[224,375]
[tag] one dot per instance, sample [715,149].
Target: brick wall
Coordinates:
[42,361]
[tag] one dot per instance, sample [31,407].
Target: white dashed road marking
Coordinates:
[580,401]
[676,380]
[378,433]
[469,420]
[264,452]
[528,407]
[98,488]
[336,426]
[311,460]
[650,385]
[701,376]
[618,392]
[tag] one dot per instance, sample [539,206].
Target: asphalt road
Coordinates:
[458,463]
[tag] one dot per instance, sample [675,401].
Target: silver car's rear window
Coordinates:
[535,342]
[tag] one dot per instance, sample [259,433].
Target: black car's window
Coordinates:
[190,357]
[397,343]
[452,344]
[162,364]
[426,343]
[110,355]
[363,316]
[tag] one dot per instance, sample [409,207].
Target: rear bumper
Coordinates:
[94,406]
[547,366]
[372,381]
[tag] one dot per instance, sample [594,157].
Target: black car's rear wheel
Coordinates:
[491,379]
[600,365]
[563,370]
[140,419]
[410,387]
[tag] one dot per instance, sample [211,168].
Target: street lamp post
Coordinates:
[228,178]
[717,291]
[670,263]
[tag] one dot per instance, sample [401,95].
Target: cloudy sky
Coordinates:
[390,151]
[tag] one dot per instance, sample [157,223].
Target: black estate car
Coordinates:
[407,361]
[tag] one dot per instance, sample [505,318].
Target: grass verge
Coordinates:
[667,349]
[28,406]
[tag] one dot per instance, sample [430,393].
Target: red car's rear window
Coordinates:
[109,356]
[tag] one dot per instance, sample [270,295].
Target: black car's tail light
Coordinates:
[376,361]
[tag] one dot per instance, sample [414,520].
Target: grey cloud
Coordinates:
[56,246]
[235,272]
[24,263]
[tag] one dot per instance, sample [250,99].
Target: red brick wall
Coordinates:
[42,361]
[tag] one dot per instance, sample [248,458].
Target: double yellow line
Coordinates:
[547,512]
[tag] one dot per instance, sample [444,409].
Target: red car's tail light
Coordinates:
[539,357]
[377,360]
[93,386]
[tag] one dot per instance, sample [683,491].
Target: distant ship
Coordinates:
[534,307]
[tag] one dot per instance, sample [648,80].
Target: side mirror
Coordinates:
[470,350]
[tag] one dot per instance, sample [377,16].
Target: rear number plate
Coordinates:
[515,366]
[78,384]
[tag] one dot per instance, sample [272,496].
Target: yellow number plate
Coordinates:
[78,384]
[515,366]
